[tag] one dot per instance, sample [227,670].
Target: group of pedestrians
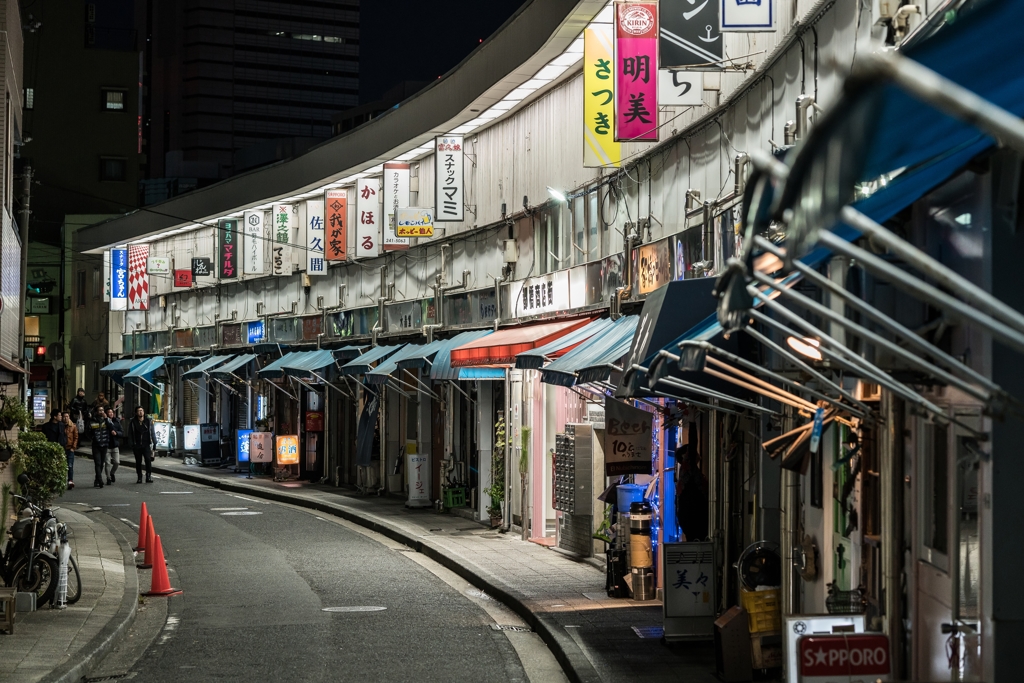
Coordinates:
[108,433]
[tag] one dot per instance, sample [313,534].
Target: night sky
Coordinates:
[418,40]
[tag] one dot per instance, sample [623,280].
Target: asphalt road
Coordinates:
[257,576]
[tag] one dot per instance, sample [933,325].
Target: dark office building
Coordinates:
[236,84]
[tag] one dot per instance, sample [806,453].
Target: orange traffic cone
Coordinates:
[142,528]
[161,584]
[147,562]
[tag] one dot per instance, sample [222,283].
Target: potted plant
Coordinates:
[14,414]
[496,491]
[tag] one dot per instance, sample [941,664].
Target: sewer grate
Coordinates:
[649,631]
[510,627]
[112,677]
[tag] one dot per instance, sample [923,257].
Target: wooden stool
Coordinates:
[7,603]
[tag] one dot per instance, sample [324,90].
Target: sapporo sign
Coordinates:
[627,439]
[847,657]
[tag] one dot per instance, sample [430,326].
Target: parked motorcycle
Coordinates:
[30,561]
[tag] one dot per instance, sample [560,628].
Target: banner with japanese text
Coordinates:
[636,71]
[252,258]
[449,181]
[396,196]
[315,234]
[336,216]
[599,145]
[106,276]
[367,218]
[138,277]
[118,279]
[228,232]
[415,222]
[282,230]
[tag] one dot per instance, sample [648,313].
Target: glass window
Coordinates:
[935,487]
[113,169]
[114,100]
[606,212]
[30,98]
[578,206]
[593,239]
[80,289]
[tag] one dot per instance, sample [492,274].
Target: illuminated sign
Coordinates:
[191,437]
[288,450]
[119,279]
[255,332]
[261,447]
[242,445]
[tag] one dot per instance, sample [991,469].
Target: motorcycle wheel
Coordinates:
[42,580]
[74,582]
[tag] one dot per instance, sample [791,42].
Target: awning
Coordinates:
[206,365]
[380,374]
[442,367]
[145,370]
[232,367]
[306,363]
[481,373]
[184,361]
[535,359]
[591,361]
[119,368]
[347,353]
[419,357]
[361,365]
[276,369]
[503,346]
[11,366]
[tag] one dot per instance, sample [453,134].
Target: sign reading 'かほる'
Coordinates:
[627,439]
[367,218]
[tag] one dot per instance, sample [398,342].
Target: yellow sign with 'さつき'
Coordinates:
[599,146]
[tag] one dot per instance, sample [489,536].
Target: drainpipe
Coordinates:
[379,327]
[789,133]
[803,103]
[623,293]
[709,235]
[498,282]
[740,172]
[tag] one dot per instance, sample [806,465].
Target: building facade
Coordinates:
[489,365]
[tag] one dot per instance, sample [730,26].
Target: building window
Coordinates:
[80,289]
[114,100]
[113,169]
[30,98]
[97,283]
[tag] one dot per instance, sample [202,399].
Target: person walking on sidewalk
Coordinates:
[79,409]
[142,437]
[113,458]
[54,429]
[71,431]
[100,441]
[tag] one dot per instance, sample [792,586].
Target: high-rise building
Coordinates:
[231,85]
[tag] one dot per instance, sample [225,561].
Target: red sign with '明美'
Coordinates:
[844,657]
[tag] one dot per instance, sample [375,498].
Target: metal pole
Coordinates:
[26,211]
[891,485]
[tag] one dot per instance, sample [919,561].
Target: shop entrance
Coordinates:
[947,550]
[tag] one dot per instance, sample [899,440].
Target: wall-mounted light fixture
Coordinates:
[805,347]
[557,194]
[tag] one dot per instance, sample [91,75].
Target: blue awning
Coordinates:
[119,368]
[232,367]
[535,358]
[591,361]
[306,363]
[380,374]
[144,371]
[442,367]
[347,353]
[481,373]
[361,365]
[420,357]
[276,369]
[206,365]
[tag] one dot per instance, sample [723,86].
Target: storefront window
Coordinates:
[352,323]
[283,330]
[127,344]
[206,336]
[579,230]
[688,250]
[184,339]
[231,334]
[312,327]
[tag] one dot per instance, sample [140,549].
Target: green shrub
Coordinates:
[46,465]
[13,413]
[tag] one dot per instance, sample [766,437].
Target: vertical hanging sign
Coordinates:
[368,218]
[119,279]
[396,196]
[636,71]
[315,234]
[138,277]
[448,179]
[228,230]
[336,215]
[252,257]
[599,145]
[282,239]
[106,276]
[748,16]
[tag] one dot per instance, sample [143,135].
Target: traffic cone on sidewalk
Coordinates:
[147,562]
[161,584]
[142,528]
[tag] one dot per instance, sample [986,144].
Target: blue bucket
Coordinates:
[628,493]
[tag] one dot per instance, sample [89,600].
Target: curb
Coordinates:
[116,629]
[570,656]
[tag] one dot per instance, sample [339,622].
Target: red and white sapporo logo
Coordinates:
[636,20]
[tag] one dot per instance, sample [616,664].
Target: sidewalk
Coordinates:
[561,598]
[65,645]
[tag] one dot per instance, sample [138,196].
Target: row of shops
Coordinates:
[789,410]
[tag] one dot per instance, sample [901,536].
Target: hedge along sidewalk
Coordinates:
[561,598]
[64,645]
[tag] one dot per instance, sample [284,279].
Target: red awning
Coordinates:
[503,346]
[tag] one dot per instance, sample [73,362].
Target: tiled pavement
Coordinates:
[63,645]
[561,598]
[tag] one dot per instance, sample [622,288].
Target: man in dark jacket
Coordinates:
[142,438]
[100,441]
[113,459]
[54,430]
[79,409]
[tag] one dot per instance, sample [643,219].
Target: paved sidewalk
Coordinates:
[64,645]
[561,598]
